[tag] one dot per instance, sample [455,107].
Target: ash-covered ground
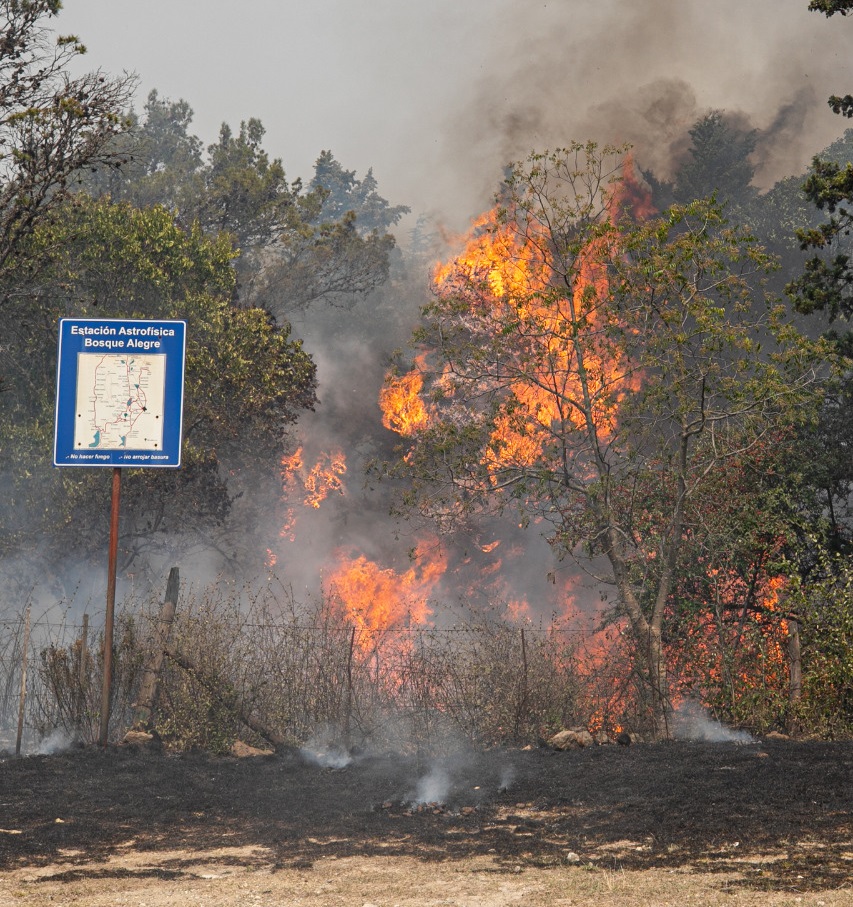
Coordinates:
[779,812]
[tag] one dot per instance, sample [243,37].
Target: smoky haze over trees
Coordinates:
[155,227]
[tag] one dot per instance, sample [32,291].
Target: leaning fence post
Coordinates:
[144,705]
[23,700]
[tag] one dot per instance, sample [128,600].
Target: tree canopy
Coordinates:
[826,283]
[329,242]
[51,125]
[597,373]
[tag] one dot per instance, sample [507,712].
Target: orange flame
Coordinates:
[376,598]
[312,485]
[325,477]
[403,409]
[512,276]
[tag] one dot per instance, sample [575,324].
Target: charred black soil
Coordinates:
[781,812]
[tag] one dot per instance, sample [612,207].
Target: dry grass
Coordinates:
[244,875]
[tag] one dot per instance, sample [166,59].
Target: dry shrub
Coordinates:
[255,664]
[66,691]
[294,669]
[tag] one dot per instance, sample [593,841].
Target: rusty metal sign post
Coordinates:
[119,403]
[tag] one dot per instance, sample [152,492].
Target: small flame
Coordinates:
[325,477]
[312,485]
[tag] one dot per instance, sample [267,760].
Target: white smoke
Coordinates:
[56,741]
[434,787]
[324,750]
[692,722]
[507,778]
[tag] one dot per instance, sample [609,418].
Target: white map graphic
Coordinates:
[119,401]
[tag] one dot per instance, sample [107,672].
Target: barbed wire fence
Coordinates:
[314,673]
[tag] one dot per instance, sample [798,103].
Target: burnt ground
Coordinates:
[778,812]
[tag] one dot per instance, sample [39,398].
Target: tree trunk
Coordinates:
[647,635]
[658,685]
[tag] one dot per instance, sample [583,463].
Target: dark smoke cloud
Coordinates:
[644,73]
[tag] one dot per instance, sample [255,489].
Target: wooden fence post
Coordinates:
[23,699]
[144,705]
[82,671]
[348,707]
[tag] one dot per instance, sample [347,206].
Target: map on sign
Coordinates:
[119,401]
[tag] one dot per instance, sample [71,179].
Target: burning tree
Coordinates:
[595,372]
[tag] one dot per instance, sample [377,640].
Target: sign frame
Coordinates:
[113,338]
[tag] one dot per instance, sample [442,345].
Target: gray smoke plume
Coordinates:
[645,73]
[434,787]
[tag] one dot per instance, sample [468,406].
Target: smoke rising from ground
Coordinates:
[692,722]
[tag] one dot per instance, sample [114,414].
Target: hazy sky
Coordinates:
[436,95]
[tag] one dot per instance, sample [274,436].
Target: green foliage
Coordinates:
[246,377]
[51,125]
[830,7]
[826,282]
[823,605]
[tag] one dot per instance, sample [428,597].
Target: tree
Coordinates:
[334,247]
[343,193]
[247,381]
[826,284]
[822,604]
[595,373]
[719,162]
[830,7]
[327,243]
[164,160]
[51,125]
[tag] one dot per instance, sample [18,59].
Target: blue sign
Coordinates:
[119,393]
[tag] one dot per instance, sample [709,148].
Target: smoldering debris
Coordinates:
[57,741]
[326,755]
[507,778]
[434,787]
[462,781]
[692,722]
